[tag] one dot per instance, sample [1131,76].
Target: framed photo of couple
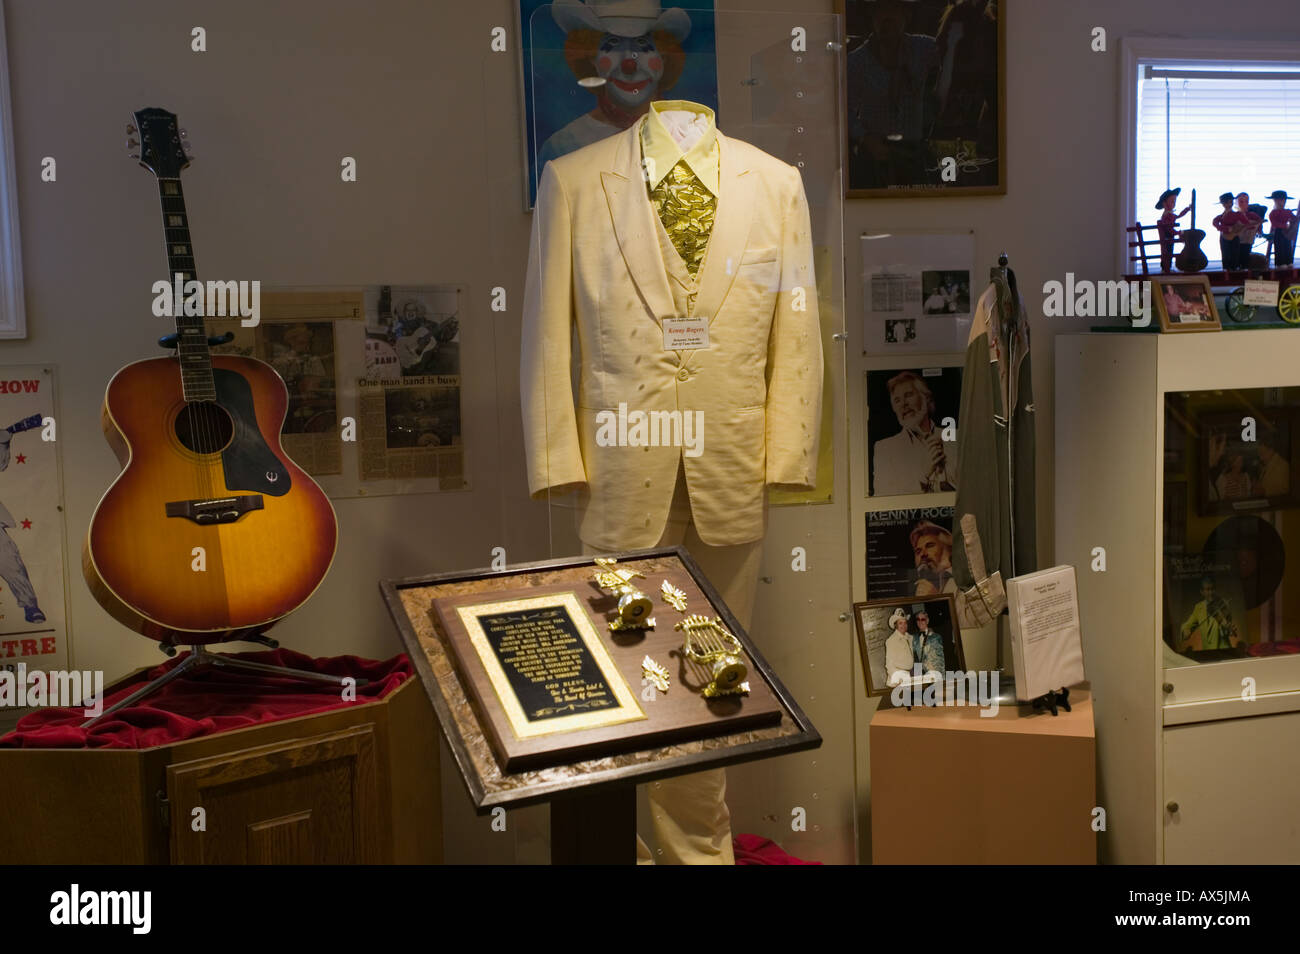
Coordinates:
[896,636]
[1185,303]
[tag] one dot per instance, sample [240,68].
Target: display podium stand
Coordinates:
[357,784]
[593,801]
[950,787]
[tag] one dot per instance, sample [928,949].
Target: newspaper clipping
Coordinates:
[296,336]
[409,423]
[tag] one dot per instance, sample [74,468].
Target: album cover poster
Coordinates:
[33,620]
[912,430]
[909,553]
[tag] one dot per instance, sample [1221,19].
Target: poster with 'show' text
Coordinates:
[33,614]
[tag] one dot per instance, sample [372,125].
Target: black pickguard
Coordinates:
[248,463]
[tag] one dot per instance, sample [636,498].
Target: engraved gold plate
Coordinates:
[547,665]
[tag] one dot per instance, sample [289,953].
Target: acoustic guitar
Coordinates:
[210,533]
[1190,258]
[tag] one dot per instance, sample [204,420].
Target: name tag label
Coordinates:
[1259,292]
[686,334]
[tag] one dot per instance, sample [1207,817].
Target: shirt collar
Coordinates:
[662,152]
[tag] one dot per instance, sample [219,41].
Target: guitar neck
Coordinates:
[192,336]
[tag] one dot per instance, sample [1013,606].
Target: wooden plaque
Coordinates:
[551,684]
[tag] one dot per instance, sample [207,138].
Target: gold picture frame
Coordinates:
[1185,303]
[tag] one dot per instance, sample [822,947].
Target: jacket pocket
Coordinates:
[753,256]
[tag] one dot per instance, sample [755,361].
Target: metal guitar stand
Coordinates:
[200,657]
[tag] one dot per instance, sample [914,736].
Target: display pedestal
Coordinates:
[350,785]
[949,787]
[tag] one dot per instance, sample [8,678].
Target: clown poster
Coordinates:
[591,68]
[33,626]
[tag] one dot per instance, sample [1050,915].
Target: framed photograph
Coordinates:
[1244,467]
[912,430]
[904,641]
[1185,303]
[591,69]
[926,97]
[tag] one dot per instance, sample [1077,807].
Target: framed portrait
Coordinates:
[1244,460]
[908,641]
[925,96]
[1185,303]
[591,69]
[912,430]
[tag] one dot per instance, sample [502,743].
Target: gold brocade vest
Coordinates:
[685,210]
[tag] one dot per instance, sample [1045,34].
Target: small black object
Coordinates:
[169,341]
[226,338]
[1052,700]
[1227,197]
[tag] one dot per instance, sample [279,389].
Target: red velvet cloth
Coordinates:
[754,850]
[208,701]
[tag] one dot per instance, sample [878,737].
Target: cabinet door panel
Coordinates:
[1235,783]
[305,801]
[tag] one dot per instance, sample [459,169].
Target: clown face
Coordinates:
[631,68]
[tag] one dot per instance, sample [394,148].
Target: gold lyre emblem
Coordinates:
[711,646]
[634,607]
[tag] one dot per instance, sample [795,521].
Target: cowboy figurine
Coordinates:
[1167,227]
[1248,223]
[1283,221]
[1226,222]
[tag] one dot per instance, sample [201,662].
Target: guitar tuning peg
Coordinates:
[130,129]
[184,134]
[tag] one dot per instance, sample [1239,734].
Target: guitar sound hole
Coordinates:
[204,427]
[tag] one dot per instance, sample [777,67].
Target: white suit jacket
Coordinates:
[595,266]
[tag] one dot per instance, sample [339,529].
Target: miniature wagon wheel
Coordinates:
[1235,305]
[1288,305]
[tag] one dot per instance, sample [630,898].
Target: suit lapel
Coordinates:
[730,231]
[634,225]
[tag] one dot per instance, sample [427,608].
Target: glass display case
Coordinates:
[1230,518]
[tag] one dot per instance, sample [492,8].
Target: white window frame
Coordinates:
[1183,49]
[13,315]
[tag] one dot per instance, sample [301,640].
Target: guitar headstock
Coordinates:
[161,146]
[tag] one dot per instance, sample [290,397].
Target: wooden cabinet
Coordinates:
[354,785]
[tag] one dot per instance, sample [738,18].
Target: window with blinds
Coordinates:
[1215,127]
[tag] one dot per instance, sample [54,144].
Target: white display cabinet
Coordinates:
[1180,521]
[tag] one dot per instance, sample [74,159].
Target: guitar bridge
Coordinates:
[214,510]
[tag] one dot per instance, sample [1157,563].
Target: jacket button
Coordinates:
[683,375]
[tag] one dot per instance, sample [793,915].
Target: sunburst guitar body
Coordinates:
[211,532]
